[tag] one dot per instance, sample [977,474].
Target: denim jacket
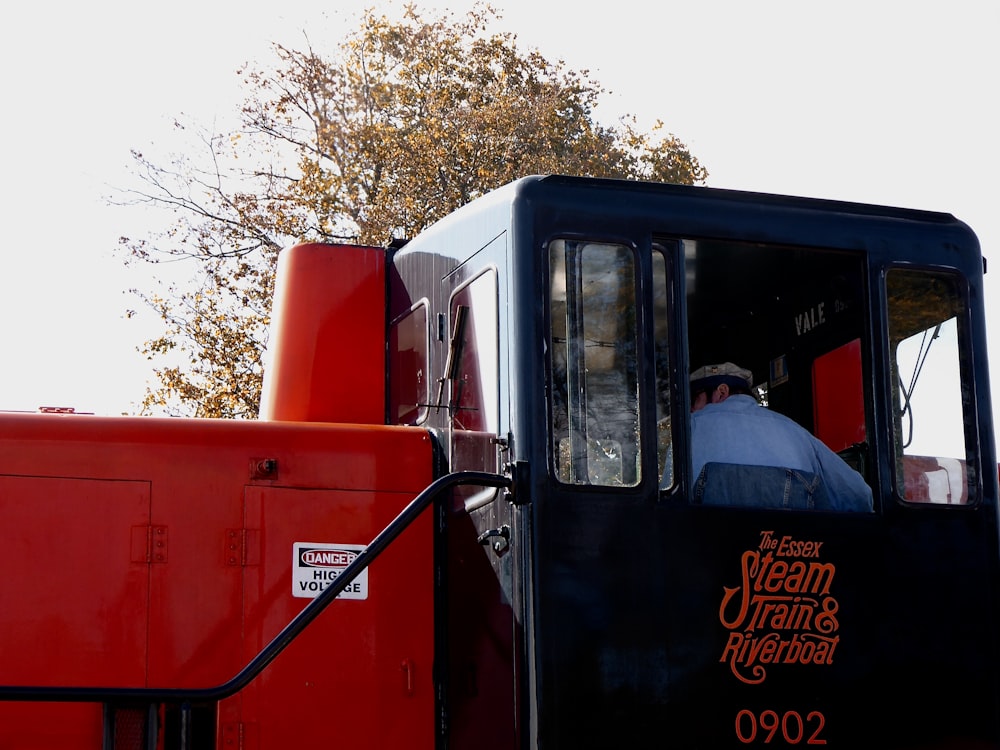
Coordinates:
[740,431]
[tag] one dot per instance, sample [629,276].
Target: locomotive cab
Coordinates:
[606,603]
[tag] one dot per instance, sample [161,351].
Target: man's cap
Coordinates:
[712,376]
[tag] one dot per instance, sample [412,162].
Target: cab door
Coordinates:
[479,634]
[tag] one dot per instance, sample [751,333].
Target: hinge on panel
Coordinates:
[242,547]
[149,544]
[239,735]
[232,735]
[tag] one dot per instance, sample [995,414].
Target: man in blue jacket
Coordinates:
[745,454]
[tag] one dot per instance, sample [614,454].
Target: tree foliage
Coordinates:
[406,120]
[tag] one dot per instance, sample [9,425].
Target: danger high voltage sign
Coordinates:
[315,565]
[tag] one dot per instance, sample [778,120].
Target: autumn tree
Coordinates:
[400,124]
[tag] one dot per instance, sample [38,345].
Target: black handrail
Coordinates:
[282,639]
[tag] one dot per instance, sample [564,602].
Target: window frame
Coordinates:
[638,366]
[397,377]
[973,485]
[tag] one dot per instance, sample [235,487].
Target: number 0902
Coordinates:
[794,730]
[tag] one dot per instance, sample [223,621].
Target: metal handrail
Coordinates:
[282,639]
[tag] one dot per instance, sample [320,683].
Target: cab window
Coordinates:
[784,327]
[926,313]
[409,366]
[472,373]
[661,351]
[594,381]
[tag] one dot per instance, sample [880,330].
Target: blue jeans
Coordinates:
[760,487]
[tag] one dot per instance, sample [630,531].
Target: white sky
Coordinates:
[890,102]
